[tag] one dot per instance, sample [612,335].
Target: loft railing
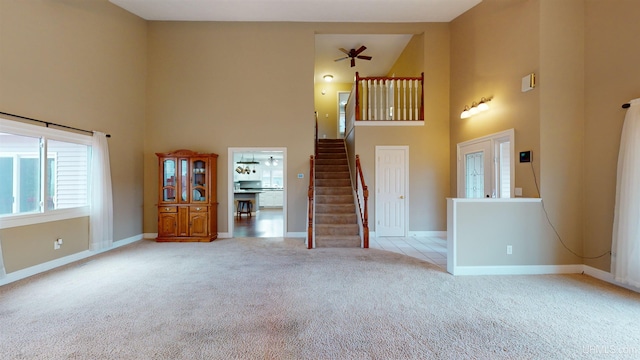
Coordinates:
[388,98]
[363,200]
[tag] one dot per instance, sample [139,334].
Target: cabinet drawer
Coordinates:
[167,209]
[198,209]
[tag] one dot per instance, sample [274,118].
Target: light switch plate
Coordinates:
[528,82]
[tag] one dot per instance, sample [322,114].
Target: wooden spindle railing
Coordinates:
[363,202]
[389,98]
[310,194]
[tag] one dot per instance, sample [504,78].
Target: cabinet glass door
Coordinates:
[198,182]
[184,179]
[169,180]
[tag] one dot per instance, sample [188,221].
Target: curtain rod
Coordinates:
[47,123]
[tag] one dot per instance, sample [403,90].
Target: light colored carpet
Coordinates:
[274,299]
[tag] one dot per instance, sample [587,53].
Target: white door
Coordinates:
[391,190]
[474,170]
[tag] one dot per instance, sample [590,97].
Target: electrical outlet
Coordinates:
[56,244]
[509,250]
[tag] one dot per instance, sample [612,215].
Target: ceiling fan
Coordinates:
[353,54]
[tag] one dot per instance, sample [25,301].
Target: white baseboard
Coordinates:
[296,234]
[224,235]
[428,233]
[150,235]
[518,270]
[606,276]
[49,265]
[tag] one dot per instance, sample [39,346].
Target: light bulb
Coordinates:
[465,113]
[483,106]
[473,110]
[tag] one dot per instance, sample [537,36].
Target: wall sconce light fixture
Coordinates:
[328,78]
[475,108]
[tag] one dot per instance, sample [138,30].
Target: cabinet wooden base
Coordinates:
[189,239]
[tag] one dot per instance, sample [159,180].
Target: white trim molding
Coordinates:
[518,270]
[428,233]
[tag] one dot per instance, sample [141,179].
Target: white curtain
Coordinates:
[101,217]
[625,247]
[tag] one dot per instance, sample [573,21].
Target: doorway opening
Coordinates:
[257,192]
[343,97]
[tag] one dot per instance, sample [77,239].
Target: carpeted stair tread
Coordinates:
[332,168]
[321,161]
[329,218]
[333,190]
[336,229]
[331,156]
[333,182]
[335,208]
[332,175]
[351,241]
[334,199]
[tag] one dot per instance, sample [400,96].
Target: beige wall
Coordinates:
[562,118]
[81,64]
[327,107]
[411,60]
[611,79]
[218,85]
[493,46]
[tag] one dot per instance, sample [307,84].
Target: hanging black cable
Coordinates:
[47,123]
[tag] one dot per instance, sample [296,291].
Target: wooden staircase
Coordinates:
[336,224]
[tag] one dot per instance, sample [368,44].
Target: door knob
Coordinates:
[401,196]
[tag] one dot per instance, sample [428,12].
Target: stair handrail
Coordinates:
[363,206]
[310,194]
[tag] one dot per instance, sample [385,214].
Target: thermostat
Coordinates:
[525,156]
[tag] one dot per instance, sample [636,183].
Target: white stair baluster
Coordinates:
[410,99]
[369,99]
[404,95]
[390,98]
[375,99]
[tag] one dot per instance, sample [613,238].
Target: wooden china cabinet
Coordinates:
[187,201]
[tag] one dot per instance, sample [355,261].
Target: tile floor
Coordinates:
[429,248]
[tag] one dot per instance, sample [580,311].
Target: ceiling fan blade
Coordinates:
[361,49]
[344,51]
[346,57]
[364,57]
[353,62]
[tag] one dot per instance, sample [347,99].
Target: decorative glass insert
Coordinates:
[474,174]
